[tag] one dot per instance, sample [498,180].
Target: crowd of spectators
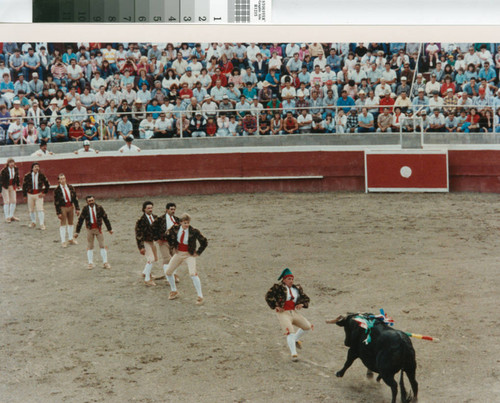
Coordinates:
[60,92]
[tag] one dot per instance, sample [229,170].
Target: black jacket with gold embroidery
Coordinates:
[276,296]
[5,177]
[101,217]
[194,235]
[59,198]
[43,183]
[160,227]
[144,231]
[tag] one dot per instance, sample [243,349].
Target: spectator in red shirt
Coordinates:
[219,76]
[249,125]
[387,100]
[447,84]
[290,124]
[472,122]
[226,65]
[76,131]
[129,66]
[211,127]
[185,92]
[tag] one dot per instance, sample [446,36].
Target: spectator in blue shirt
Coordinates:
[304,76]
[58,132]
[44,133]
[21,85]
[345,100]
[472,88]
[487,73]
[249,92]
[124,128]
[273,78]
[89,131]
[69,55]
[334,61]
[288,105]
[32,65]
[365,122]
[154,108]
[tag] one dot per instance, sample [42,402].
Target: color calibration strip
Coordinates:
[155,11]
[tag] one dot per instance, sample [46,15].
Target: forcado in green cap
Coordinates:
[285,273]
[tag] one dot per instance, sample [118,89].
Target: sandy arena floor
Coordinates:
[431,261]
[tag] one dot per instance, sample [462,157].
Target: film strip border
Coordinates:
[155,11]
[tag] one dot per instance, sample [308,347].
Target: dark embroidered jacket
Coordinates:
[5,177]
[144,231]
[43,183]
[276,296]
[59,198]
[194,235]
[160,227]
[100,216]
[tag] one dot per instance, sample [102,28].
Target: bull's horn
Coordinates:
[339,318]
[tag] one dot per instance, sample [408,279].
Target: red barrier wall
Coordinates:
[343,170]
[471,170]
[474,171]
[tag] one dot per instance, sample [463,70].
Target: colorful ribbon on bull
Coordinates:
[366,324]
[367,321]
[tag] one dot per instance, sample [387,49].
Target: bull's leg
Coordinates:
[351,357]
[389,380]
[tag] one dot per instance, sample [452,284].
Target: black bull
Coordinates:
[388,352]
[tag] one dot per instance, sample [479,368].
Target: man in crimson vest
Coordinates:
[66,204]
[94,215]
[160,228]
[287,298]
[35,187]
[9,178]
[183,239]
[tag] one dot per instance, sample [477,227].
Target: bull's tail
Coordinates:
[409,369]
[410,373]
[405,397]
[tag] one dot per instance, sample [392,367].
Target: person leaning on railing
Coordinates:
[365,122]
[384,121]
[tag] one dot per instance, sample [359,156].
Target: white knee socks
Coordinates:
[70,232]
[12,209]
[104,255]
[147,271]
[197,285]
[290,339]
[33,217]
[299,334]
[62,232]
[171,281]
[90,256]
[6,211]
[41,217]
[165,267]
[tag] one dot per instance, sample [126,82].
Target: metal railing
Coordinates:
[99,118]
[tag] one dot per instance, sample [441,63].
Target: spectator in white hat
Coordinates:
[86,149]
[404,86]
[35,112]
[36,85]
[17,110]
